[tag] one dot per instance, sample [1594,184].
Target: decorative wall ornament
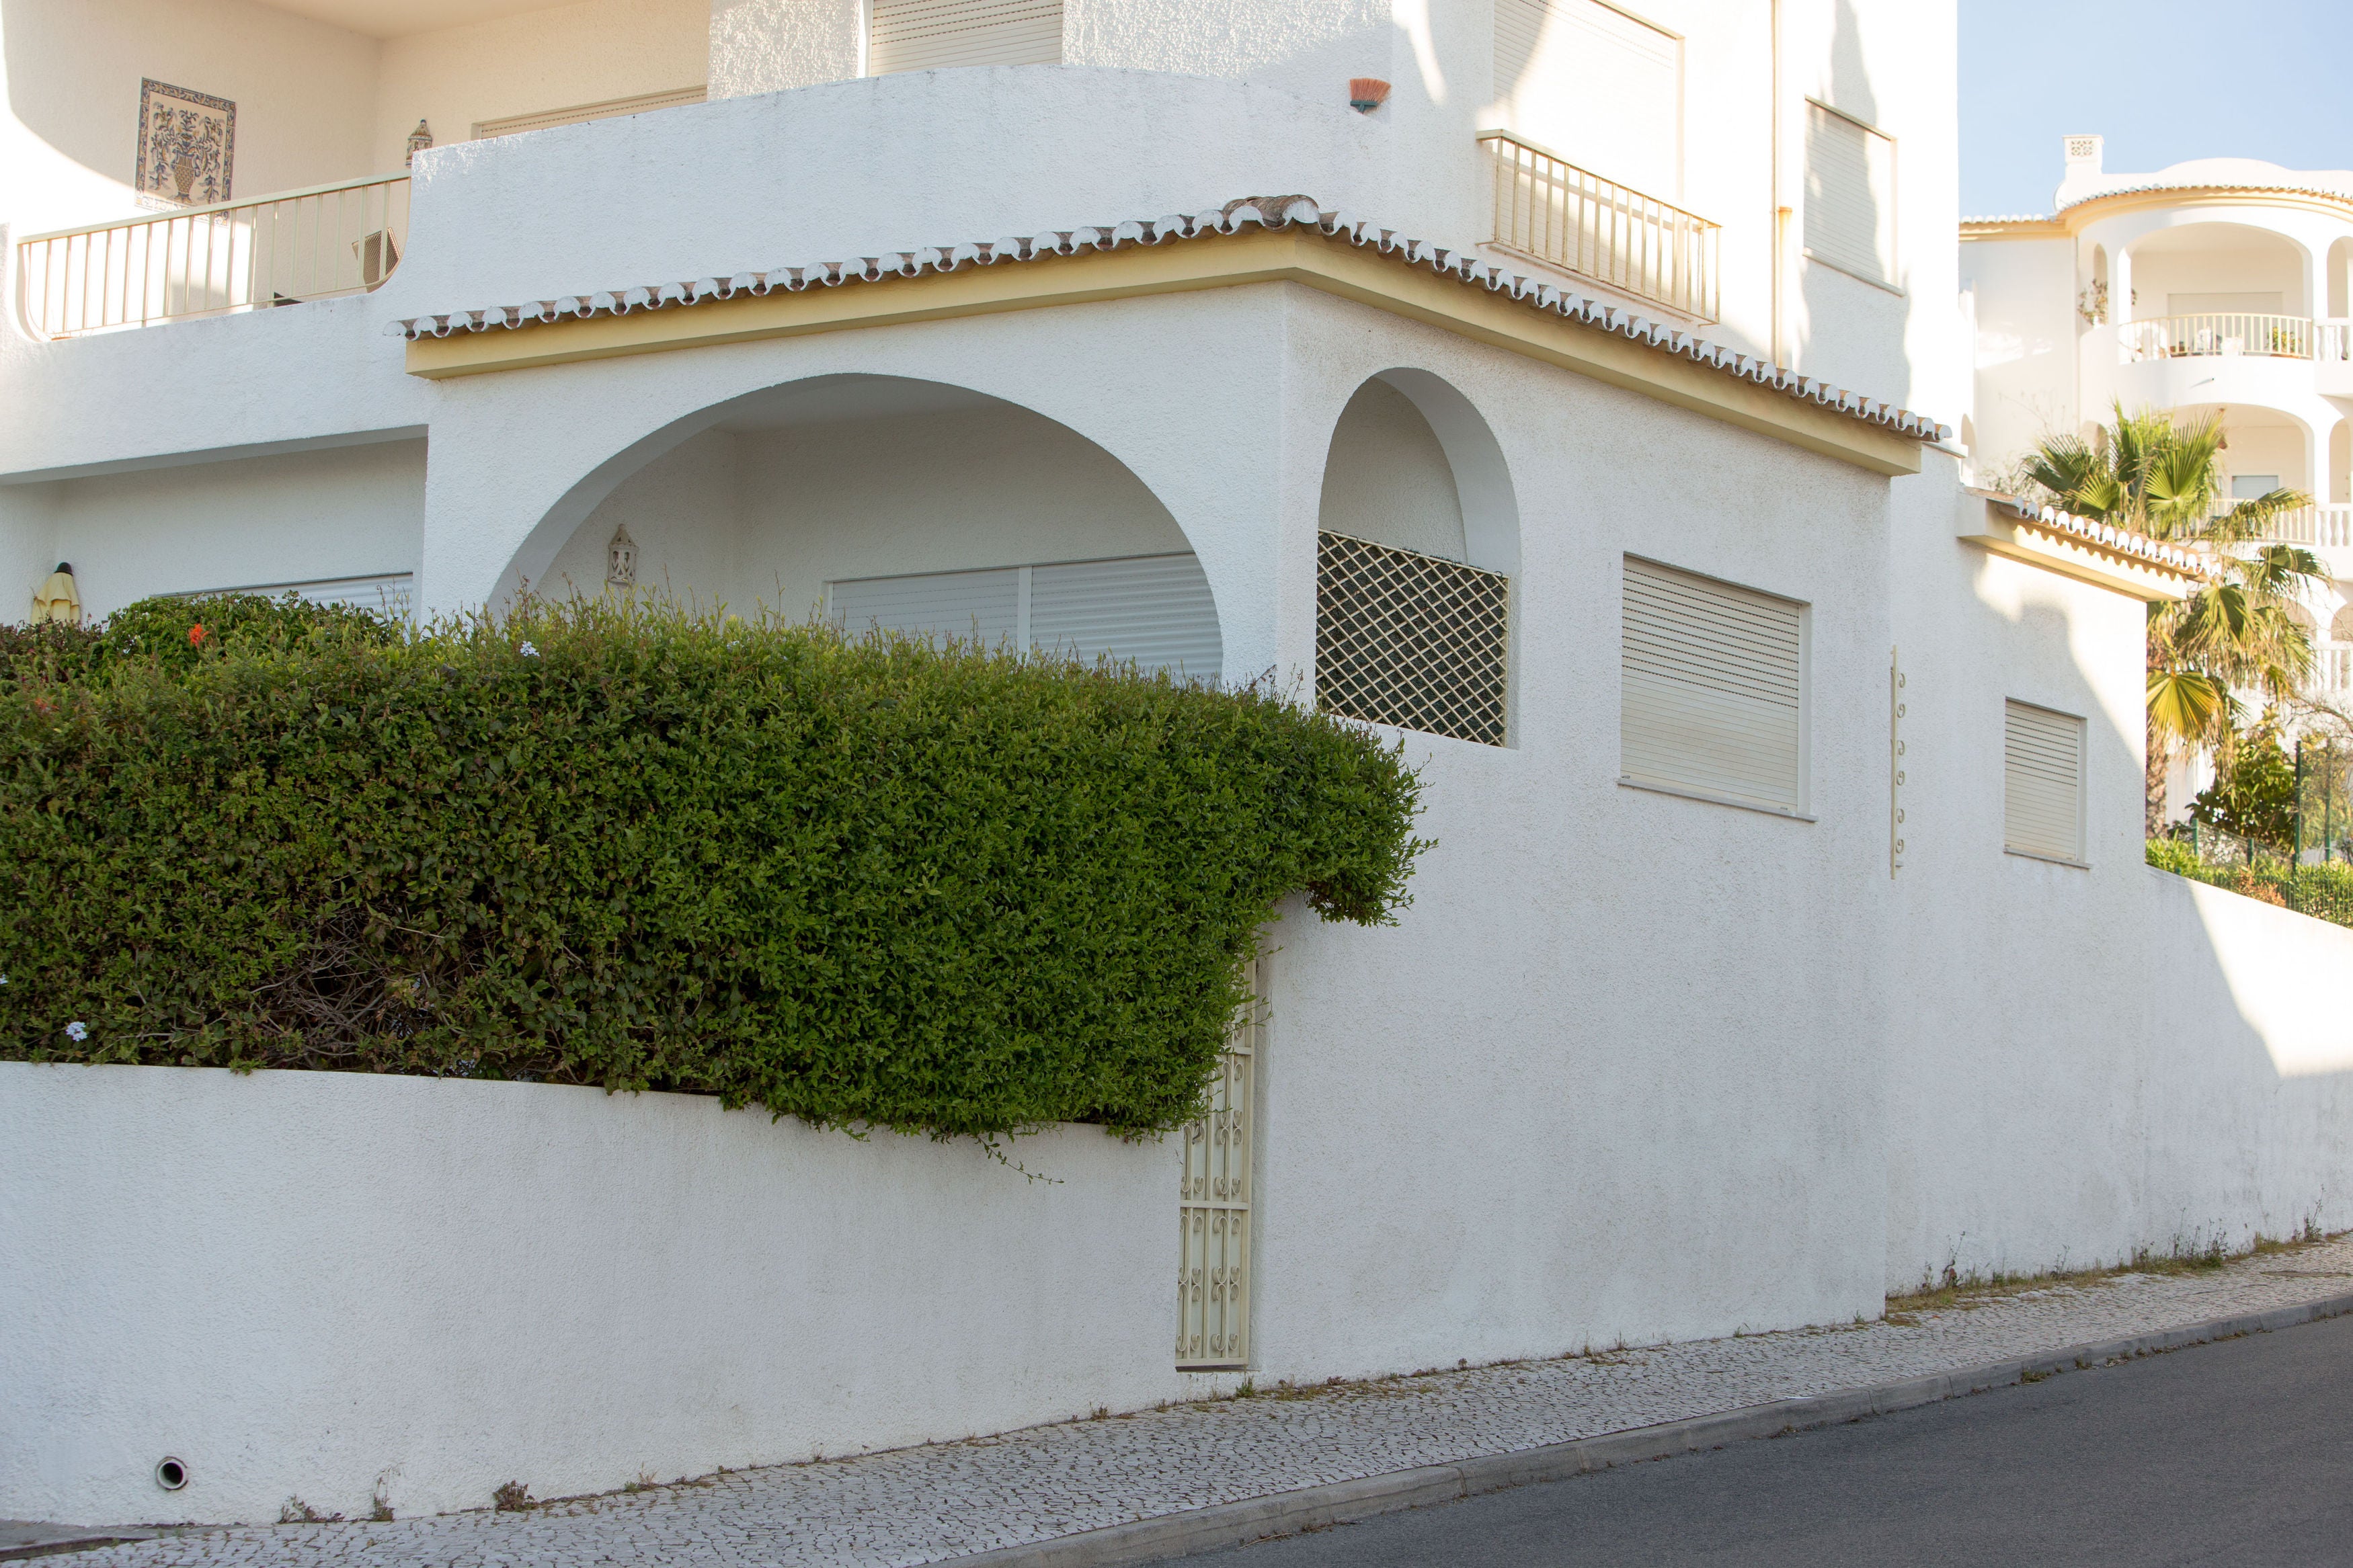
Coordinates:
[419,140]
[57,598]
[187,145]
[621,559]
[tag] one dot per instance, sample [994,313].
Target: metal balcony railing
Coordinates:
[282,249]
[2227,333]
[1555,212]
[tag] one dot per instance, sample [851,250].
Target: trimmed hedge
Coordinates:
[2324,892]
[865,884]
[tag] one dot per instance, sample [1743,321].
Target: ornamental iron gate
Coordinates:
[1213,1219]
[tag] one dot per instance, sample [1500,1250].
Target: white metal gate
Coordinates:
[1213,1219]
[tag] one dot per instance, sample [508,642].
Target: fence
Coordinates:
[282,249]
[1556,212]
[2226,332]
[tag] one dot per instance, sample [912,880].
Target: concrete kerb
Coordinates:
[1342,1502]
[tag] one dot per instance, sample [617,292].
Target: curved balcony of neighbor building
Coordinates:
[2165,362]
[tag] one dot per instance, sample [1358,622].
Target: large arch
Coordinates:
[896,501]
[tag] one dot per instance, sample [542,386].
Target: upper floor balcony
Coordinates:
[219,260]
[1548,209]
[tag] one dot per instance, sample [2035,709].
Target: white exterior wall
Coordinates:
[2023,292]
[314,1284]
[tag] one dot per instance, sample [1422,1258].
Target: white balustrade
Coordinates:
[1556,212]
[282,249]
[2218,332]
[2314,527]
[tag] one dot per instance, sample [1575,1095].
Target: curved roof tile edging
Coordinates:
[2123,541]
[1269,212]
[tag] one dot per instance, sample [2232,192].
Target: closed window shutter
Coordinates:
[928,35]
[586,112]
[2042,782]
[388,592]
[984,607]
[1713,697]
[1849,195]
[1594,85]
[1153,609]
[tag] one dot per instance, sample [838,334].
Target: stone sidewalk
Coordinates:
[947,1500]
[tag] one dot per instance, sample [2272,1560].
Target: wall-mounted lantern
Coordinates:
[621,559]
[419,140]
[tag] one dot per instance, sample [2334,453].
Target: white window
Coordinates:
[1154,609]
[1713,699]
[1596,85]
[575,115]
[2253,487]
[2042,783]
[927,35]
[1849,195]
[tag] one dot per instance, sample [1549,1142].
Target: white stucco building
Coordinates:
[2212,287]
[1788,936]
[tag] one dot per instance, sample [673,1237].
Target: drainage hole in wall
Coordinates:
[171,1474]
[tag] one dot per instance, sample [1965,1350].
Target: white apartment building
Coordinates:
[1787,935]
[2214,286]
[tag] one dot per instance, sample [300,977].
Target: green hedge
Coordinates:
[2325,892]
[867,883]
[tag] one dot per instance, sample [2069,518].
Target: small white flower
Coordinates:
[77,1030]
[529,651]
[4,980]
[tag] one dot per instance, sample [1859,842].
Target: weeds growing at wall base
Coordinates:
[867,883]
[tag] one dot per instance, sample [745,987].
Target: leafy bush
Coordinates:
[860,883]
[2255,795]
[2325,892]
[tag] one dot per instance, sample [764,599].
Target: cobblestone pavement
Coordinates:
[922,1505]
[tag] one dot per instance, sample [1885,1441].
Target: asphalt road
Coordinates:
[2239,1453]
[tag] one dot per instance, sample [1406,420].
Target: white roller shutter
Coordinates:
[1713,689]
[927,35]
[579,113]
[1849,195]
[1596,85]
[387,593]
[2042,783]
[1154,609]
[985,606]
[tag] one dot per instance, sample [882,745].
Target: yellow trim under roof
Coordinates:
[1299,253]
[1994,524]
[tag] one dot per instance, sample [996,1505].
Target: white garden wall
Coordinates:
[318,1284]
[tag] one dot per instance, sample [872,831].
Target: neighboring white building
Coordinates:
[1787,935]
[2214,286]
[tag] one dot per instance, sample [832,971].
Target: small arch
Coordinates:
[1412,457]
[2206,268]
[2340,625]
[2341,278]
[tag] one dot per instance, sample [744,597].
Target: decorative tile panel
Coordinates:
[187,145]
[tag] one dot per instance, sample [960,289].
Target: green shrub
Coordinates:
[2325,892]
[866,883]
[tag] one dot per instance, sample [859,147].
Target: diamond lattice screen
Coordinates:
[1408,640]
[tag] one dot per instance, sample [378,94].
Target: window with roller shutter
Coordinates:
[1849,195]
[933,35]
[1713,690]
[1154,609]
[1598,86]
[2042,783]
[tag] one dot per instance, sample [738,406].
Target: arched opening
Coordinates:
[2214,268]
[885,502]
[2340,279]
[1418,543]
[2093,307]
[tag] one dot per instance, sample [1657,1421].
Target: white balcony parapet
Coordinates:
[280,250]
[2316,527]
[2332,669]
[2225,332]
[1550,209]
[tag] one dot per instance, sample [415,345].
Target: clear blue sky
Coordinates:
[2162,80]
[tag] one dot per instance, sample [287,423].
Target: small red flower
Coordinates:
[196,635]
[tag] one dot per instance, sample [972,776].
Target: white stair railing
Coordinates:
[282,249]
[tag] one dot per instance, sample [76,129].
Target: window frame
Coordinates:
[2082,785]
[1894,207]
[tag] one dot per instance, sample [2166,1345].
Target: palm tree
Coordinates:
[2237,629]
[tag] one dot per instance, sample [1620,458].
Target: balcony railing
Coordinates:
[2229,333]
[1558,213]
[282,249]
[2332,668]
[2319,527]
